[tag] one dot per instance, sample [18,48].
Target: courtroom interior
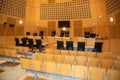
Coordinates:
[59,39]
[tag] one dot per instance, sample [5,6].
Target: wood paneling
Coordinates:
[20,31]
[11,20]
[51,24]
[2,29]
[78,24]
[117,16]
[10,31]
[78,30]
[51,1]
[115,32]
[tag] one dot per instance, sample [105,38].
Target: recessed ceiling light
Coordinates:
[111,19]
[20,22]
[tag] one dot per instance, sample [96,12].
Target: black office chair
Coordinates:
[41,33]
[81,46]
[17,43]
[24,42]
[69,45]
[62,34]
[30,44]
[53,33]
[66,33]
[98,47]
[60,45]
[39,45]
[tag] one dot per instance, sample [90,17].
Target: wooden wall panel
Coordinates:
[51,27]
[2,30]
[19,30]
[115,32]
[51,24]
[51,1]
[78,24]
[2,41]
[115,46]
[9,41]
[50,31]
[10,31]
[88,29]
[11,20]
[78,32]
[117,16]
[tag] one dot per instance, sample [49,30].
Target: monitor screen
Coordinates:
[41,33]
[92,35]
[27,33]
[34,34]
[87,34]
[53,33]
[62,24]
[11,25]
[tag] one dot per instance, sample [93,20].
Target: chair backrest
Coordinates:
[64,52]
[72,52]
[17,43]
[62,34]
[24,41]
[48,57]
[93,61]
[60,45]
[38,42]
[59,58]
[36,65]
[82,53]
[113,74]
[50,67]
[69,59]
[41,33]
[91,54]
[53,33]
[69,45]
[39,56]
[30,41]
[64,69]
[81,60]
[79,71]
[81,46]
[25,63]
[96,73]
[48,51]
[66,33]
[98,47]
[107,63]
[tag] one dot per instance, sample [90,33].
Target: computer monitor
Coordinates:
[87,34]
[27,33]
[62,33]
[41,33]
[53,33]
[34,34]
[62,24]
[66,33]
[92,35]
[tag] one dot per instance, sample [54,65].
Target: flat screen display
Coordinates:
[62,24]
